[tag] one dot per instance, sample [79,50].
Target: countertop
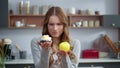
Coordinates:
[20,61]
[30,61]
[104,60]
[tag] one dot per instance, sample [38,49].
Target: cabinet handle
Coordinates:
[113,24]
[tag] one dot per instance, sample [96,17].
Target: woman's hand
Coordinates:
[71,54]
[45,45]
[62,54]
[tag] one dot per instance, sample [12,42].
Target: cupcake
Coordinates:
[45,38]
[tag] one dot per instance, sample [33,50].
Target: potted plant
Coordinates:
[4,44]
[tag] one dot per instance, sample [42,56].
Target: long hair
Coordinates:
[63,19]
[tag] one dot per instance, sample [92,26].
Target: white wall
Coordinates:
[86,36]
[104,6]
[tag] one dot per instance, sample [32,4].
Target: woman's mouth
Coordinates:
[54,33]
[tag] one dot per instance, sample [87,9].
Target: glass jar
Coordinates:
[35,10]
[91,23]
[97,23]
[85,23]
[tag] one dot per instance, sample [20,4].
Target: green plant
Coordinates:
[4,44]
[2,57]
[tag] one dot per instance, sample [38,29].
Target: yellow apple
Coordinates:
[65,46]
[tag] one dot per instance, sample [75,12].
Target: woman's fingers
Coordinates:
[45,45]
[71,54]
[62,53]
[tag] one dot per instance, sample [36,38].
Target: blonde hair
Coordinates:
[63,19]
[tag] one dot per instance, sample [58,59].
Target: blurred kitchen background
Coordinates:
[23,36]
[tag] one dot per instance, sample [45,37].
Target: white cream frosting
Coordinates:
[46,38]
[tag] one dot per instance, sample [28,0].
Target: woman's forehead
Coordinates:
[54,18]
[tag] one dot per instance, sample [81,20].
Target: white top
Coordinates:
[41,56]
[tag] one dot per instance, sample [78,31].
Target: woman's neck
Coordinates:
[55,44]
[56,41]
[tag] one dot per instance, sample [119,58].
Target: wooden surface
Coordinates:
[111,44]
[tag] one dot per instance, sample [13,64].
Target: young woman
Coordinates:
[47,54]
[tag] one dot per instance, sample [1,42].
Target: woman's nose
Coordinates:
[55,27]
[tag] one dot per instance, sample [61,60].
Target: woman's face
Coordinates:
[55,27]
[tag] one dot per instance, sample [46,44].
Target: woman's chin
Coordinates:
[55,36]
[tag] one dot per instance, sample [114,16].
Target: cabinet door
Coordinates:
[19,66]
[3,13]
[111,21]
[100,65]
[119,14]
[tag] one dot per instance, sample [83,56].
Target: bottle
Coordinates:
[97,13]
[20,7]
[27,7]
[35,10]
[79,12]
[44,9]
[10,11]
[87,12]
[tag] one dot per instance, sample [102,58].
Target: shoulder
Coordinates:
[74,41]
[35,39]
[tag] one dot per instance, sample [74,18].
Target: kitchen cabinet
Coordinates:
[119,14]
[111,20]
[3,13]
[102,63]
[118,6]
[20,63]
[19,66]
[37,20]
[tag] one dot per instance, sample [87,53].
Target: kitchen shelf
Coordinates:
[38,20]
[77,18]
[31,20]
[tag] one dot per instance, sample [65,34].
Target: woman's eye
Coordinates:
[59,24]
[50,24]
